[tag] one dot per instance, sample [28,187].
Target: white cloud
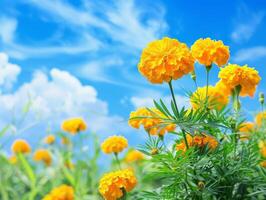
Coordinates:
[53,98]
[249,54]
[8,28]
[8,72]
[246,24]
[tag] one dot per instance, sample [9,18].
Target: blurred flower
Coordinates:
[208,51]
[43,155]
[74,125]
[134,156]
[114,144]
[21,146]
[65,141]
[154,151]
[49,139]
[164,60]
[234,75]
[151,120]
[69,164]
[112,184]
[63,192]
[263,163]
[260,118]
[262,146]
[216,98]
[245,130]
[13,159]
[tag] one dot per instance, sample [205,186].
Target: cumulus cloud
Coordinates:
[8,72]
[249,54]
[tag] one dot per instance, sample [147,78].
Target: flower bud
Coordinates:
[261,98]
[193,76]
[154,151]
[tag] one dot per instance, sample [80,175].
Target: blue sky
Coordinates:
[79,58]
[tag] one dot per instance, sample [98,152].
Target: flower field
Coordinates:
[209,151]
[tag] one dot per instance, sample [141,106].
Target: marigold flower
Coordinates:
[134,156]
[13,159]
[245,130]
[263,163]
[262,146]
[234,75]
[74,125]
[152,121]
[207,51]
[260,118]
[164,60]
[114,144]
[112,184]
[21,146]
[49,139]
[43,155]
[216,99]
[63,192]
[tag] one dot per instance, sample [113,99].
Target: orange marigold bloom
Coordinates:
[112,184]
[261,118]
[262,146]
[49,139]
[21,146]
[74,125]
[134,156]
[216,98]
[234,75]
[13,159]
[263,163]
[208,51]
[164,60]
[63,192]
[245,130]
[43,155]
[114,144]
[152,121]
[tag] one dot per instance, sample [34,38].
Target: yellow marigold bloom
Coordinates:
[21,146]
[112,184]
[63,192]
[261,118]
[245,130]
[164,60]
[43,155]
[152,121]
[208,51]
[263,163]
[233,75]
[13,159]
[216,99]
[134,156]
[262,146]
[49,139]
[114,144]
[74,125]
[220,86]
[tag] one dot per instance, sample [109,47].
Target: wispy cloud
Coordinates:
[8,29]
[246,23]
[250,54]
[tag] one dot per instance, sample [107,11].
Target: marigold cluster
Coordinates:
[43,155]
[245,130]
[134,156]
[215,99]
[164,60]
[234,75]
[21,146]
[63,192]
[151,120]
[260,118]
[197,141]
[74,125]
[112,184]
[49,139]
[208,51]
[114,144]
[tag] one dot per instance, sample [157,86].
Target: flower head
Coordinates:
[207,51]
[49,139]
[261,118]
[112,184]
[263,163]
[245,130]
[43,155]
[74,125]
[164,60]
[63,192]
[216,99]
[21,146]
[134,156]
[151,120]
[114,144]
[262,146]
[234,75]
[13,159]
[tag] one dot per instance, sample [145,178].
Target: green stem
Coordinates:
[185,138]
[117,161]
[172,93]
[208,68]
